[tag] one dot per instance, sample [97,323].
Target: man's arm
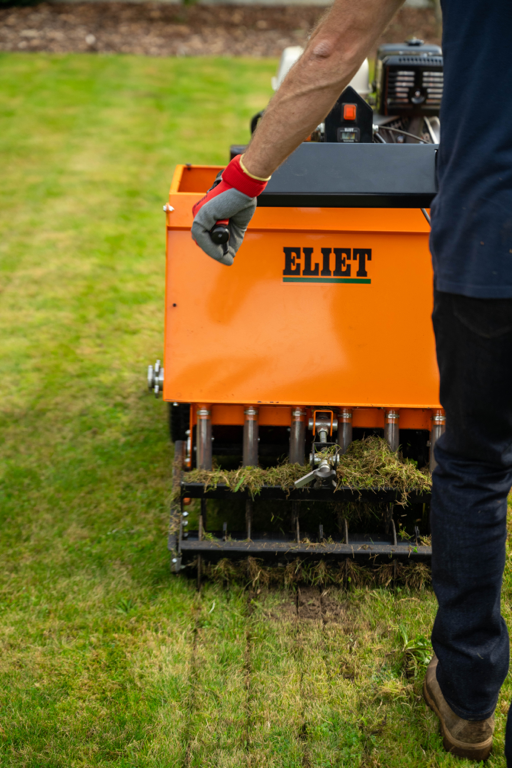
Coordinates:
[333,55]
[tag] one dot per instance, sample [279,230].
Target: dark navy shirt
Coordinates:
[471,239]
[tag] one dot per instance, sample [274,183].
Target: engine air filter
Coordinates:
[409,83]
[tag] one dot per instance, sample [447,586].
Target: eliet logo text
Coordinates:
[335,265]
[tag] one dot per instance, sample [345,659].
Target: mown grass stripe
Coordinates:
[218,723]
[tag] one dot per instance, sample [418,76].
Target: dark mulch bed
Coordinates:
[154,29]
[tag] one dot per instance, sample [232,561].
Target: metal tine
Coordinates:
[393,530]
[294,515]
[248,518]
[203,513]
[339,518]
[346,529]
[320,533]
[224,531]
[200,529]
[388,517]
[297,529]
[417,535]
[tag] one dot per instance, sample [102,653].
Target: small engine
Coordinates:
[409,79]
[406,99]
[401,106]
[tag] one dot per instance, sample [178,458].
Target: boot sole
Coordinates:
[480,751]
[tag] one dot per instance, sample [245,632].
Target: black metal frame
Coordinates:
[272,547]
[310,493]
[366,548]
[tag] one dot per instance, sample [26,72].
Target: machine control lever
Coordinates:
[219,233]
[324,471]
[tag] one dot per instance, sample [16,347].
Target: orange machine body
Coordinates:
[323,307]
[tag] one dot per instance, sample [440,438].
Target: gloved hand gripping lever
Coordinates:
[222,215]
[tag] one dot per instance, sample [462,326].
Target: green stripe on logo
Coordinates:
[366,280]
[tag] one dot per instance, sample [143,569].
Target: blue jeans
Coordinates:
[469,501]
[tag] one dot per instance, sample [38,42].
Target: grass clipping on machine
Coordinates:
[368,464]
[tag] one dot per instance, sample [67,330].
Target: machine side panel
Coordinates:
[328,318]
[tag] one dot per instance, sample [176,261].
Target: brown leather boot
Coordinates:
[465,738]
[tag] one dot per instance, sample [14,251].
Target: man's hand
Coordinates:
[232,198]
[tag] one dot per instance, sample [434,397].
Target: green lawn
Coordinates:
[106,659]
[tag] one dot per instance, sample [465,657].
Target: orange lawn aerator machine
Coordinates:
[319,335]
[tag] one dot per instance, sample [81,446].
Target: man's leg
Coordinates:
[469,499]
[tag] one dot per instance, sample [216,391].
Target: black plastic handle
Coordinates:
[220,233]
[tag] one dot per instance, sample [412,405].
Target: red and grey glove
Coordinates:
[231,203]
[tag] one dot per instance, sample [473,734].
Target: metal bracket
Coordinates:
[324,467]
[156,378]
[322,428]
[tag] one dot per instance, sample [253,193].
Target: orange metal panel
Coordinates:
[410,418]
[370,418]
[268,416]
[231,415]
[280,416]
[415,419]
[353,330]
[195,178]
[274,416]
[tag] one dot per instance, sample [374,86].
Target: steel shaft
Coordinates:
[438,427]
[297,453]
[250,457]
[345,429]
[391,430]
[204,437]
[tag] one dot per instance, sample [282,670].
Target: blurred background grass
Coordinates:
[107,659]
